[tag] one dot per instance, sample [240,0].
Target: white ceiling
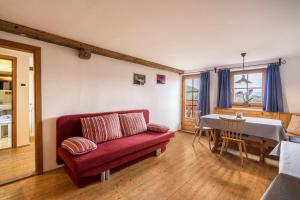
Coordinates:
[187,34]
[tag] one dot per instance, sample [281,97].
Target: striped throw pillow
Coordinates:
[78,145]
[92,129]
[112,126]
[157,128]
[101,128]
[132,123]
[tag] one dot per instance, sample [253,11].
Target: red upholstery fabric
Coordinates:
[132,123]
[83,178]
[112,150]
[157,128]
[78,145]
[70,126]
[125,159]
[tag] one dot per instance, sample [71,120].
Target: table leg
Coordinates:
[216,140]
[262,150]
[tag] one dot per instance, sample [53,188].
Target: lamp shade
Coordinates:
[243,80]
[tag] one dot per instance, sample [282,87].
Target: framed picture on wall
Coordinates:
[160,79]
[139,79]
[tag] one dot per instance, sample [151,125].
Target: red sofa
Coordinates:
[86,168]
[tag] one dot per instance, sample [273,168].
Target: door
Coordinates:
[26,158]
[190,96]
[17,144]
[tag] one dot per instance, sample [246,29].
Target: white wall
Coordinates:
[71,85]
[213,91]
[290,77]
[22,94]
[31,103]
[31,99]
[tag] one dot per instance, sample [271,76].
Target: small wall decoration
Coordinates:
[160,79]
[139,79]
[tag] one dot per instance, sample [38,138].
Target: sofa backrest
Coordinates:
[70,125]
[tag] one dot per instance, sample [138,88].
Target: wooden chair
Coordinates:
[232,131]
[198,129]
[293,128]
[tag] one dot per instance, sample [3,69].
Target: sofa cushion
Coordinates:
[78,145]
[112,126]
[157,128]
[101,128]
[114,149]
[91,129]
[132,123]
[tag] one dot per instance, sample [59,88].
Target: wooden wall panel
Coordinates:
[283,116]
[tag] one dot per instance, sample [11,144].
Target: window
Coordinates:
[191,93]
[248,93]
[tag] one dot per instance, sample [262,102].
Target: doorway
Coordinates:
[20,111]
[8,138]
[190,95]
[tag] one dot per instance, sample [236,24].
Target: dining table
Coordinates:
[260,128]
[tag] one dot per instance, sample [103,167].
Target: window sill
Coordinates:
[246,108]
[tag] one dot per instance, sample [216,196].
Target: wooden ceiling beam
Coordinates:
[63,41]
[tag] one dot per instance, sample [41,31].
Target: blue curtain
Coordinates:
[273,90]
[204,94]
[224,93]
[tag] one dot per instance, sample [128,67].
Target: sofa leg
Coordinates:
[107,174]
[157,152]
[102,177]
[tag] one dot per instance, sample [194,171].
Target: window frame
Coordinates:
[251,71]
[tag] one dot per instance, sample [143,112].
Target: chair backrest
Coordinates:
[294,125]
[232,128]
[285,118]
[197,117]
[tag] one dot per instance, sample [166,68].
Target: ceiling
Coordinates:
[186,34]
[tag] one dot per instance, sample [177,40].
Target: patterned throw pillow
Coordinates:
[92,129]
[157,128]
[101,128]
[78,145]
[132,123]
[112,126]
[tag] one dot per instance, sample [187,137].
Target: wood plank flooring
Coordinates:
[182,172]
[5,143]
[17,163]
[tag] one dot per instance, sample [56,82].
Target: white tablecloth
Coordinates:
[289,159]
[260,127]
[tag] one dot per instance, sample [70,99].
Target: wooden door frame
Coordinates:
[14,97]
[185,121]
[37,96]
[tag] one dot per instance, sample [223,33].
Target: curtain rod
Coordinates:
[280,62]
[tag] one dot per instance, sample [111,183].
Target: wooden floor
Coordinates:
[16,163]
[182,172]
[5,143]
